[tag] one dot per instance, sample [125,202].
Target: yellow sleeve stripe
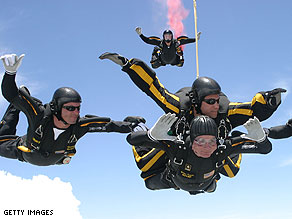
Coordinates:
[258,98]
[247,112]
[38,142]
[228,171]
[151,162]
[154,38]
[30,105]
[137,156]
[86,124]
[143,75]
[238,161]
[149,176]
[241,142]
[7,139]
[236,104]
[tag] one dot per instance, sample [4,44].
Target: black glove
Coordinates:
[273,97]
[289,123]
[135,119]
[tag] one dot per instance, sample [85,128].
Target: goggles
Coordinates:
[202,141]
[167,36]
[72,108]
[211,101]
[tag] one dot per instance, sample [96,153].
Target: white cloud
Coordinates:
[39,194]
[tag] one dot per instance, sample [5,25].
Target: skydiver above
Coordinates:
[167,49]
[54,128]
[194,164]
[203,98]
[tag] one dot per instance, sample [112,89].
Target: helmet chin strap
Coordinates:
[59,117]
[65,123]
[198,108]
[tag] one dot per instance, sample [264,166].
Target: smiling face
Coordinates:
[204,145]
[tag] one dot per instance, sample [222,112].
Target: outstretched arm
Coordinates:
[255,141]
[153,40]
[105,124]
[20,98]
[11,64]
[281,131]
[262,106]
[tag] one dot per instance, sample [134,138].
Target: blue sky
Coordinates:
[245,45]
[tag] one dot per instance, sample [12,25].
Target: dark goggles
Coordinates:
[211,101]
[72,108]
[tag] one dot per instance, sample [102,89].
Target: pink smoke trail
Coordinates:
[176,13]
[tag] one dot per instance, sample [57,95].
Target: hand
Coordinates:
[161,127]
[140,127]
[254,129]
[289,123]
[134,119]
[11,63]
[199,35]
[138,30]
[137,123]
[274,96]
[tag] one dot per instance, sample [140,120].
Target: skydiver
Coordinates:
[203,98]
[54,128]
[167,50]
[194,164]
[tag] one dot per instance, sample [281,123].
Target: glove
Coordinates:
[140,127]
[11,63]
[161,127]
[199,35]
[135,121]
[138,30]
[274,97]
[254,129]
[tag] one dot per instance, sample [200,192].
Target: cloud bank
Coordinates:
[39,197]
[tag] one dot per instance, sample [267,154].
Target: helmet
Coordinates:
[202,125]
[202,87]
[168,32]
[61,96]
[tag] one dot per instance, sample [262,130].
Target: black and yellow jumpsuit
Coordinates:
[152,161]
[185,170]
[164,54]
[40,132]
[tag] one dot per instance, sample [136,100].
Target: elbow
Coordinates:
[267,148]
[130,140]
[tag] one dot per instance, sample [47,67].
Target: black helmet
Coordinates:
[202,87]
[202,125]
[168,32]
[61,96]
